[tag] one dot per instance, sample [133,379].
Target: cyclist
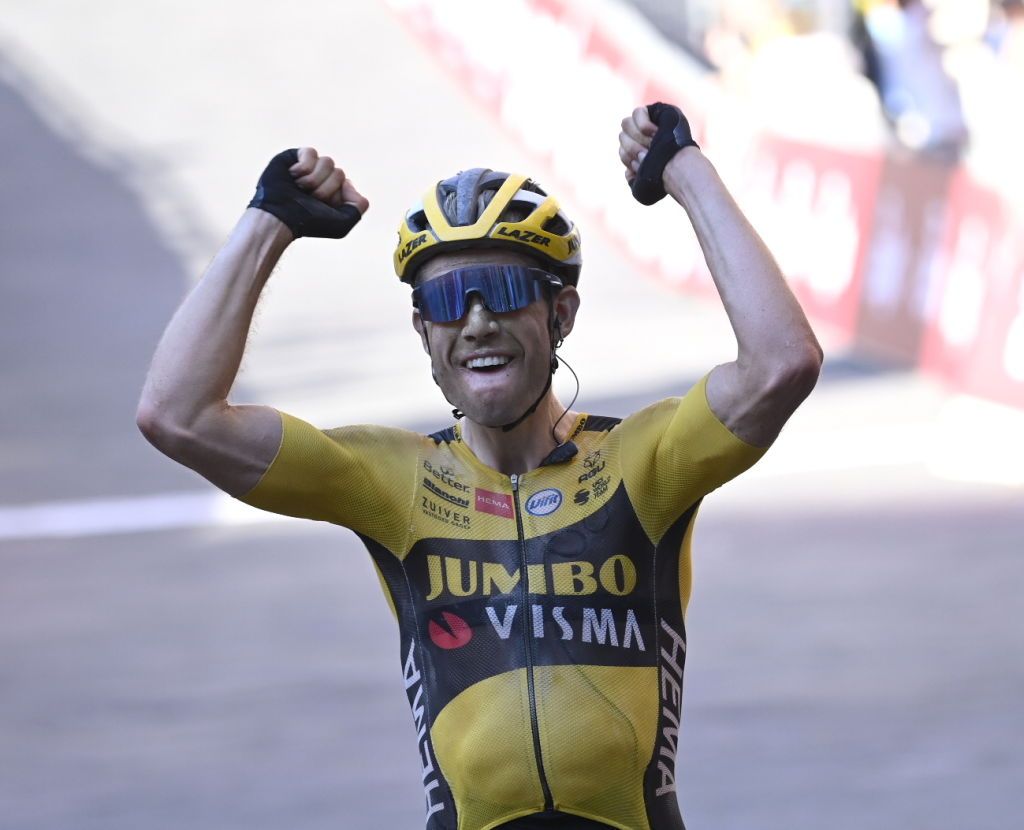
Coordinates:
[537,560]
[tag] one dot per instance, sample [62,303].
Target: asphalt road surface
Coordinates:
[856,655]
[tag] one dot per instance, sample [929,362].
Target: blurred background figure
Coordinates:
[918,95]
[936,66]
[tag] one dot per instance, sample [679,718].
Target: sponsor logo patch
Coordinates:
[598,486]
[544,502]
[414,689]
[450,576]
[448,515]
[456,635]
[597,626]
[446,476]
[444,494]
[594,464]
[671,670]
[499,504]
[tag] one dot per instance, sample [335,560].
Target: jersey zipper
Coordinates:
[548,800]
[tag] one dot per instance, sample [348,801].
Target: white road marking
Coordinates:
[98,517]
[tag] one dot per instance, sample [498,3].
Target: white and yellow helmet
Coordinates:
[482,208]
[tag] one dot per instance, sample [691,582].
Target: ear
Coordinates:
[567,303]
[421,329]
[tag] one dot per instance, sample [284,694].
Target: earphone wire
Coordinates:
[565,412]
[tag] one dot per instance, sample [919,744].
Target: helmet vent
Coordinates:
[418,221]
[556,225]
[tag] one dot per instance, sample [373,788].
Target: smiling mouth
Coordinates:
[491,364]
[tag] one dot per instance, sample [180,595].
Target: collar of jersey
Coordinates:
[560,454]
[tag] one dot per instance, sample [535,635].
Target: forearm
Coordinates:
[198,357]
[771,329]
[778,356]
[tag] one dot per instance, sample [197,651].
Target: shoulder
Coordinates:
[377,439]
[313,458]
[360,476]
[306,446]
[684,433]
[689,415]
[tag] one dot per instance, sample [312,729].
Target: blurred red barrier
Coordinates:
[814,207]
[907,259]
[904,240]
[975,309]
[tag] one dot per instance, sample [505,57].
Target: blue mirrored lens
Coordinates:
[502,288]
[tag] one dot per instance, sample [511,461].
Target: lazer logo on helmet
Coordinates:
[454,577]
[411,246]
[532,237]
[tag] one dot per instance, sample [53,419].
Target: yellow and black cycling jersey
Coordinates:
[541,616]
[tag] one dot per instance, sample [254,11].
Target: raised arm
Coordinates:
[778,357]
[184,410]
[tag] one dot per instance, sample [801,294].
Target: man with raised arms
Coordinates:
[536,559]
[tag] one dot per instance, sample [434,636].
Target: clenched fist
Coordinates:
[650,137]
[309,194]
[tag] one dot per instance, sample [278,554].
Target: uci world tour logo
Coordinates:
[544,502]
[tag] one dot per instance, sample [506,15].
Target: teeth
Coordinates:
[480,362]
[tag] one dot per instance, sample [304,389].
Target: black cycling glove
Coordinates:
[672,136]
[304,214]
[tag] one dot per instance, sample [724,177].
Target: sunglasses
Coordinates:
[503,288]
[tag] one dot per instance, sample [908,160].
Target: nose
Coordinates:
[479,320]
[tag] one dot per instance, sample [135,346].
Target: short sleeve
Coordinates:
[674,453]
[361,477]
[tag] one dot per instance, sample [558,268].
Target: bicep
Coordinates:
[755,405]
[233,446]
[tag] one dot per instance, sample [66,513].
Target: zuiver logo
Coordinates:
[544,502]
